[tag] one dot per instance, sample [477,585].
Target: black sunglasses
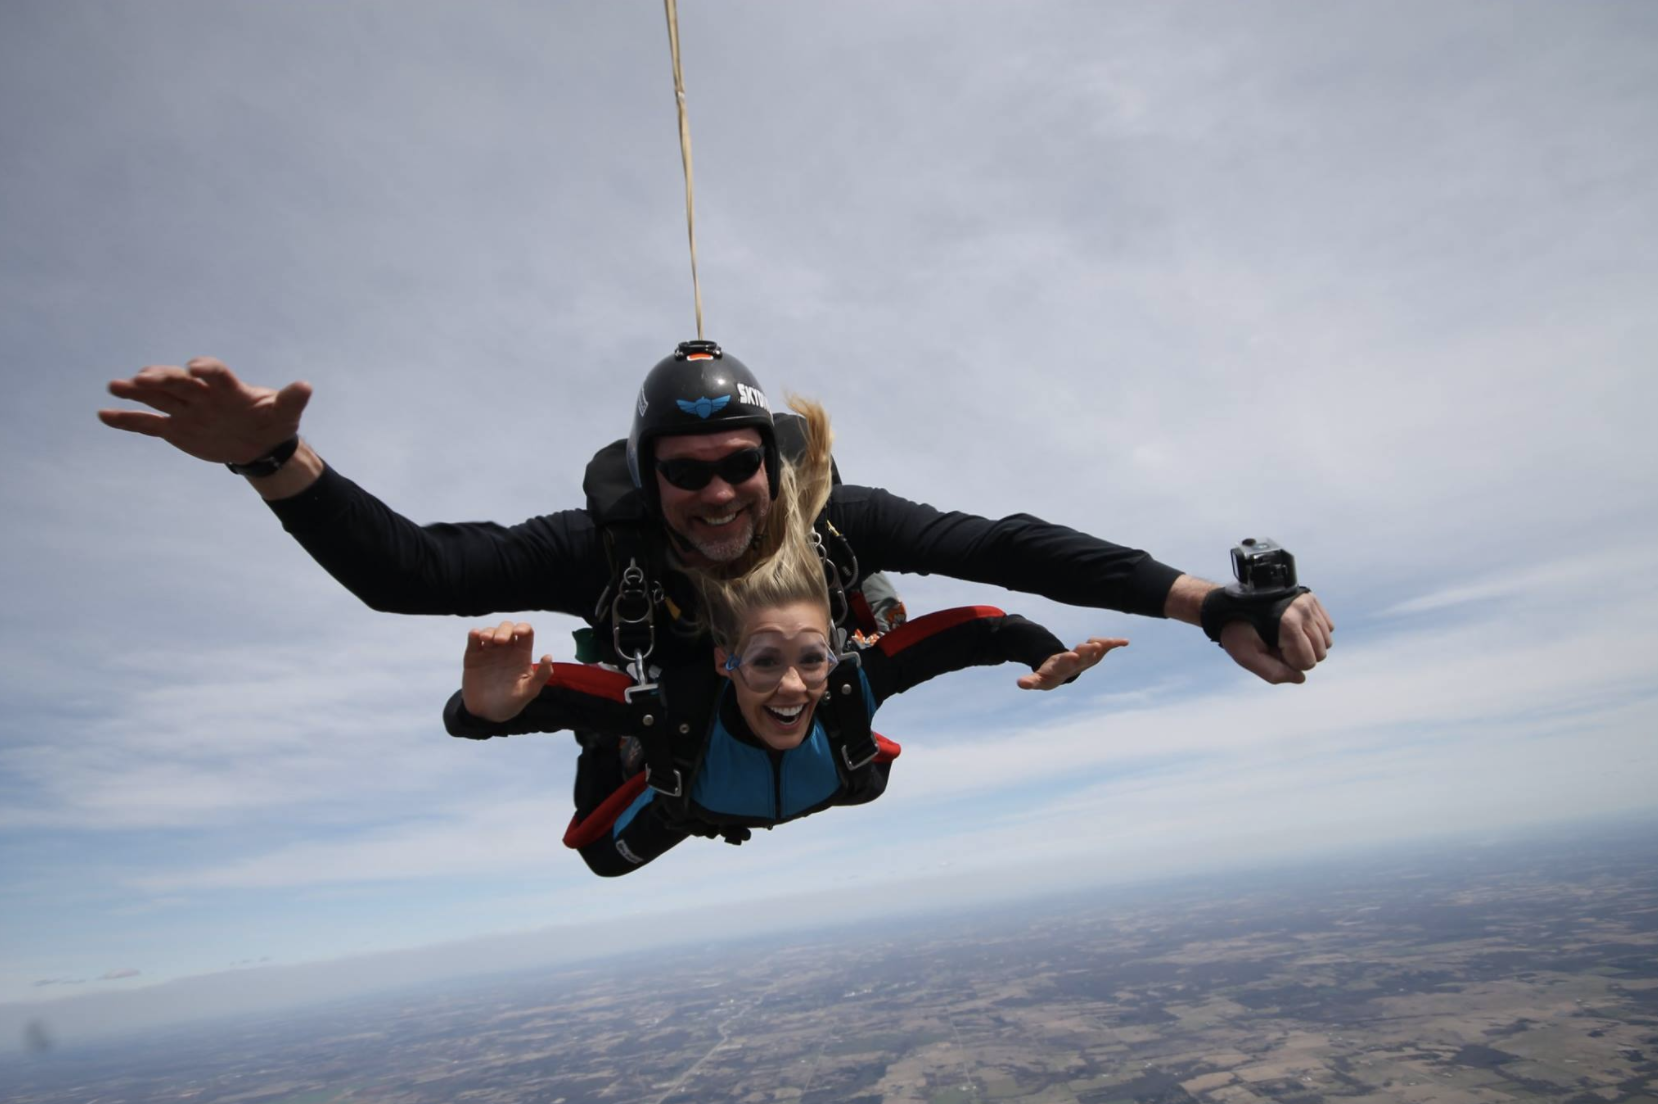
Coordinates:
[694,475]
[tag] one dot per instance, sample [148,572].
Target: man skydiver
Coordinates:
[702,457]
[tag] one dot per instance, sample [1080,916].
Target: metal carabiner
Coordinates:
[642,682]
[632,613]
[840,607]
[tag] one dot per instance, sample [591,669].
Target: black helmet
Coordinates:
[699,389]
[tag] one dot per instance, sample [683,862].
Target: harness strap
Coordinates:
[850,739]
[583,831]
[662,773]
[674,745]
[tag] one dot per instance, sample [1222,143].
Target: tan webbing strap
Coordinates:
[685,153]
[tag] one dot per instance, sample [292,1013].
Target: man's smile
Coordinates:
[718,520]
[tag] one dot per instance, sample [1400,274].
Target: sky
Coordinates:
[1371,279]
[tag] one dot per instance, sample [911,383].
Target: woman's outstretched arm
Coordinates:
[505,692]
[976,636]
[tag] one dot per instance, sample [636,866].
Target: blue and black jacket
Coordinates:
[737,782]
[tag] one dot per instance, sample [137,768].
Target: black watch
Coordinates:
[270,463]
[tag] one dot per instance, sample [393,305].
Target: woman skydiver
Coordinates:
[759,746]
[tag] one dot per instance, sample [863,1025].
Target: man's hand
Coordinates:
[498,678]
[207,412]
[1060,668]
[1303,641]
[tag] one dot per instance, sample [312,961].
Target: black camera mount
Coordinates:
[1266,586]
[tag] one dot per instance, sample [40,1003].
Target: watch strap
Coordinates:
[271,462]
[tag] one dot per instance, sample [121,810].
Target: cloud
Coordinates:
[238,733]
[152,904]
[1577,574]
[116,975]
[521,836]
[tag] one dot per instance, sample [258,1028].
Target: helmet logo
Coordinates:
[753,396]
[643,402]
[704,406]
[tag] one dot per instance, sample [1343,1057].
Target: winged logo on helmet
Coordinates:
[704,406]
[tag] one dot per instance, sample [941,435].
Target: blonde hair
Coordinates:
[784,567]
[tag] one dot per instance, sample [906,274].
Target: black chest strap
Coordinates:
[685,695]
[851,740]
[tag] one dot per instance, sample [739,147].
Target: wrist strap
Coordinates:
[1224,605]
[271,462]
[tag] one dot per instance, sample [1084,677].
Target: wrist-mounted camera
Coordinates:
[1266,586]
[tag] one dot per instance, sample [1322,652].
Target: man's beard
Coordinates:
[728,552]
[728,546]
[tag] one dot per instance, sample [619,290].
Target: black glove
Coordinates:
[1262,609]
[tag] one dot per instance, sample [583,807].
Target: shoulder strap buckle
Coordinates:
[677,790]
[863,760]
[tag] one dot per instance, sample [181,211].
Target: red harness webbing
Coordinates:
[914,632]
[584,678]
[598,822]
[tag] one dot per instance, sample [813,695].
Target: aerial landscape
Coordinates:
[1525,971]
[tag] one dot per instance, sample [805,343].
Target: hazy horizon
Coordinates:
[263,990]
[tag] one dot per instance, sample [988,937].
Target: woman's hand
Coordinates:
[1061,667]
[498,677]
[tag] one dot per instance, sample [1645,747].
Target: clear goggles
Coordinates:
[766,657]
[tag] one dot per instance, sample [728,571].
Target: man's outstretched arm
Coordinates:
[1028,554]
[553,562]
